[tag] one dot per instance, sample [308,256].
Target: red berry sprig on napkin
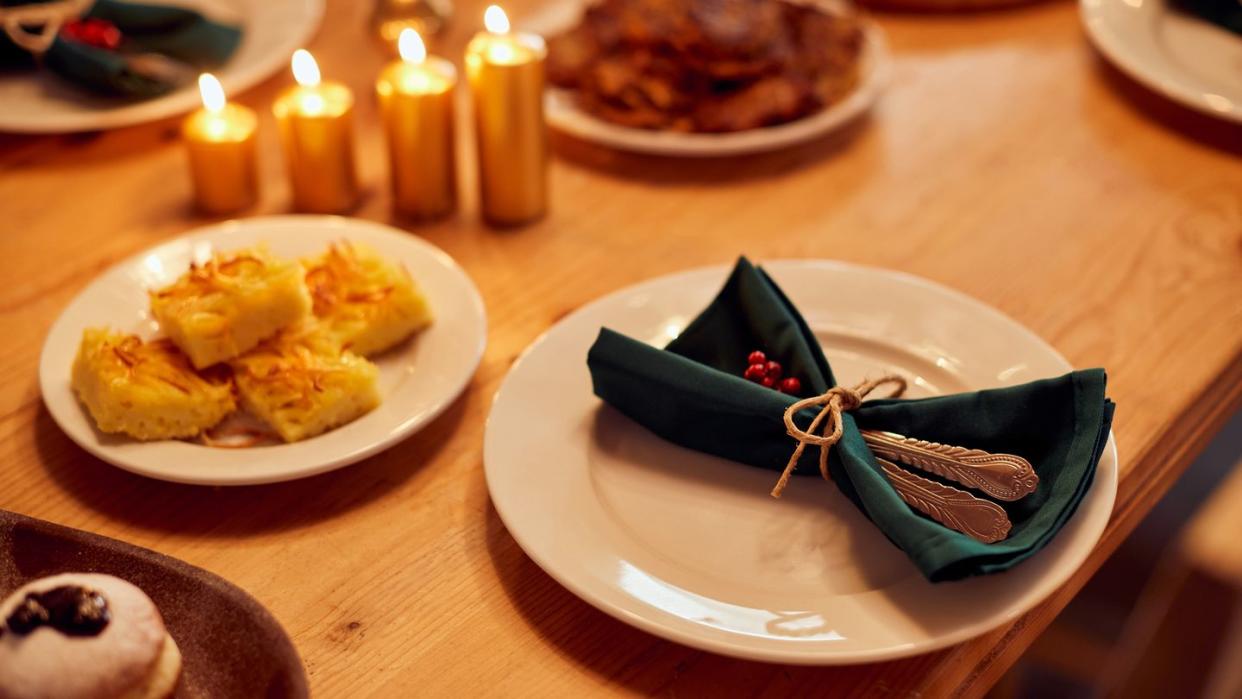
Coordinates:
[93,32]
[767,373]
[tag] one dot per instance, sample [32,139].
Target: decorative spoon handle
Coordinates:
[955,509]
[1003,476]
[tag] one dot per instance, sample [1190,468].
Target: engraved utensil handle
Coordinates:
[1003,476]
[955,509]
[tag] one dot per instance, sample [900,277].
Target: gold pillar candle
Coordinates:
[315,120]
[416,104]
[506,76]
[220,140]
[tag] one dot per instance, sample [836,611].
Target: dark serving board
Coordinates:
[230,645]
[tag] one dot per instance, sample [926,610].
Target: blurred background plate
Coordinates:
[40,102]
[564,114]
[1184,58]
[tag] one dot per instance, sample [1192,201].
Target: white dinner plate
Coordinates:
[418,379]
[40,102]
[1184,58]
[692,548]
[564,114]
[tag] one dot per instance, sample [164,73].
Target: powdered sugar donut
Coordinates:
[84,636]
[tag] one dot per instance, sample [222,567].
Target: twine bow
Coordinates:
[49,17]
[835,401]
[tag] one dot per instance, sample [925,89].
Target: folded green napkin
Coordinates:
[175,32]
[1226,13]
[692,394]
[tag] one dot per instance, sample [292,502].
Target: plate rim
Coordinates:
[49,374]
[180,101]
[1119,55]
[1107,478]
[876,61]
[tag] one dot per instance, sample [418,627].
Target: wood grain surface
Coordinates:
[1005,160]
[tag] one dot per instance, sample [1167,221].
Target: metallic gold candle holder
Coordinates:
[315,120]
[220,141]
[416,105]
[506,75]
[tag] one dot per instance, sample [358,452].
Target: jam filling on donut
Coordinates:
[71,610]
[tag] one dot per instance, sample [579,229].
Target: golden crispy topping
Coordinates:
[174,384]
[122,354]
[294,365]
[339,277]
[158,360]
[370,296]
[217,274]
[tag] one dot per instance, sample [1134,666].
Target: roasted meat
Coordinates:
[706,65]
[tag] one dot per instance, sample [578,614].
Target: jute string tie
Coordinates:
[834,401]
[34,26]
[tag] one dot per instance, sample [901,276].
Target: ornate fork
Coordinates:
[955,509]
[1003,476]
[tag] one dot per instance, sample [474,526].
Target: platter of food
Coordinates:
[708,77]
[38,100]
[692,546]
[83,615]
[263,350]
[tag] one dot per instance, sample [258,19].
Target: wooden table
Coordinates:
[1005,160]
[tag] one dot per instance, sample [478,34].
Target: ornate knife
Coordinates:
[955,509]
[1003,476]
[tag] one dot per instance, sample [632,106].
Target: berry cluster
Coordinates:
[768,373]
[93,32]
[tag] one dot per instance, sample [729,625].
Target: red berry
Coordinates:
[94,32]
[768,381]
[791,385]
[754,372]
[756,357]
[773,369]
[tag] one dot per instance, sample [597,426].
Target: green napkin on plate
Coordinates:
[173,32]
[692,393]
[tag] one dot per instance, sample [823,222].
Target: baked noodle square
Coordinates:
[223,308]
[147,390]
[366,302]
[301,384]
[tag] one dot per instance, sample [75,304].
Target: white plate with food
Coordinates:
[37,101]
[703,121]
[1185,58]
[295,345]
[716,563]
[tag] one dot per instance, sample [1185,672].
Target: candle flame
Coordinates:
[495,20]
[305,70]
[212,92]
[411,47]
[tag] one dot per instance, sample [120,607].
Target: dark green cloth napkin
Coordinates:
[175,32]
[692,394]
[1226,13]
